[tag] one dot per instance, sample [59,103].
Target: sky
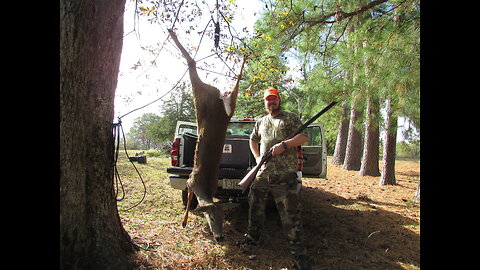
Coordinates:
[140,86]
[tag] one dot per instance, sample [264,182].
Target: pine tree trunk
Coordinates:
[341,143]
[91,233]
[416,197]
[371,144]
[353,153]
[388,170]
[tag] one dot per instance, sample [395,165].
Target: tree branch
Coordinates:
[340,15]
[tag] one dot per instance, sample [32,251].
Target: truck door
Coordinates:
[315,152]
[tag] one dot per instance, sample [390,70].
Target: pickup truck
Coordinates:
[237,159]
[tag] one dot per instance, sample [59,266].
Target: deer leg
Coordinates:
[189,199]
[230,97]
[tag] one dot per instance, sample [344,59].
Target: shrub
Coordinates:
[405,149]
[153,153]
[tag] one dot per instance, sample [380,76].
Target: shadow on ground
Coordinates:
[340,234]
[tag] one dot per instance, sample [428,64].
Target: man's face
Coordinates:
[272,104]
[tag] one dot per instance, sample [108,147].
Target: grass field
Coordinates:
[350,222]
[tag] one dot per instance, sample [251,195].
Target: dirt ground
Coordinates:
[353,223]
[350,222]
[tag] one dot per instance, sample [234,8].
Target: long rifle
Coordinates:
[247,180]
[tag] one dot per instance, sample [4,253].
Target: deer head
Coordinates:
[215,215]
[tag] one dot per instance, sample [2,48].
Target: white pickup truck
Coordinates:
[237,159]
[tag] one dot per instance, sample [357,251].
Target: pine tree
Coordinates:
[388,169]
[370,158]
[341,143]
[353,152]
[362,51]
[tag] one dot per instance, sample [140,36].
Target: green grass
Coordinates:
[155,224]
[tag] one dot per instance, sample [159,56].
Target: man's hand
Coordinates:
[277,149]
[280,147]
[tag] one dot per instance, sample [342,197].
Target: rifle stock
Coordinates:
[247,180]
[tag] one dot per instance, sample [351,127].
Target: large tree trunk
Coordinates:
[91,233]
[353,153]
[388,170]
[371,144]
[341,143]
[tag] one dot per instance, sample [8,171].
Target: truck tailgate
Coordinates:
[222,172]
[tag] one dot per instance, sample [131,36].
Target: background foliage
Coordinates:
[313,52]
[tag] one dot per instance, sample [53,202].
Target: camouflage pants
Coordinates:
[284,191]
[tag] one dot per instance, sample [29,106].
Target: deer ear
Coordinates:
[211,206]
[204,208]
[227,102]
[229,205]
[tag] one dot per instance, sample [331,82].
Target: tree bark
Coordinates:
[341,143]
[388,169]
[91,233]
[416,197]
[353,153]
[371,144]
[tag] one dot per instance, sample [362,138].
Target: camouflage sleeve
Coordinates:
[297,124]
[255,136]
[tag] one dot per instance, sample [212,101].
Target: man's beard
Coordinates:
[274,109]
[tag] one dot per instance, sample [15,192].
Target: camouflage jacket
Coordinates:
[269,131]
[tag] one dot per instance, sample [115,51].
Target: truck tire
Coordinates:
[193,203]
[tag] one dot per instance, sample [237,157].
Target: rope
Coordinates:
[118,180]
[185,72]
[141,179]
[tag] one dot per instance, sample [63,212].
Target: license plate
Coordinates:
[231,184]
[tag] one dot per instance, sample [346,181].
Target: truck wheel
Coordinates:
[193,203]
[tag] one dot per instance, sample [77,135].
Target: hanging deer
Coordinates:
[213,112]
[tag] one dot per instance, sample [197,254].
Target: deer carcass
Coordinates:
[213,112]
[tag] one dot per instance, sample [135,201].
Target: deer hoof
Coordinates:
[219,239]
